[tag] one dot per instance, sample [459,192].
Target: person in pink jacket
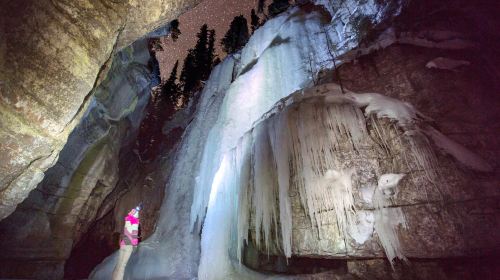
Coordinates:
[129,240]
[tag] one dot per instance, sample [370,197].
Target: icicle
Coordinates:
[423,154]
[265,191]
[318,133]
[381,134]
[279,135]
[340,196]
[388,219]
[243,169]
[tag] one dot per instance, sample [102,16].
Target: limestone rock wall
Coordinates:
[52,54]
[45,227]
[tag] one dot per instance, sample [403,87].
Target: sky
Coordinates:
[217,14]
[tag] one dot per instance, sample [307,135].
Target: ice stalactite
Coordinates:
[293,147]
[279,142]
[306,142]
[320,135]
[417,132]
[422,153]
[243,154]
[388,219]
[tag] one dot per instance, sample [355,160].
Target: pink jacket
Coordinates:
[130,234]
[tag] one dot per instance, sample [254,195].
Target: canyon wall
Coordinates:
[52,55]
[88,176]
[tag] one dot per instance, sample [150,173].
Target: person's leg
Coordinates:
[126,257]
[123,256]
[115,275]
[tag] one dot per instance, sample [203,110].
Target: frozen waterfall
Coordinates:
[252,143]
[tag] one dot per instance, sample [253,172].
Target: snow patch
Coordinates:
[444,63]
[386,107]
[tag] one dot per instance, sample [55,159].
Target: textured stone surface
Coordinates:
[46,226]
[52,54]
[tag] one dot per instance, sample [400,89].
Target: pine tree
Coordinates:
[189,73]
[201,51]
[211,44]
[174,29]
[195,61]
[237,35]
[260,6]
[254,20]
[170,90]
[199,62]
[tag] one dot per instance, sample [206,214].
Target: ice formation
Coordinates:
[172,251]
[388,219]
[278,60]
[252,141]
[302,141]
[250,190]
[386,107]
[459,152]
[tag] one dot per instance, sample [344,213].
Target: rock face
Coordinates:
[52,54]
[47,225]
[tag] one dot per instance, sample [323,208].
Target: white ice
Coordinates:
[241,153]
[388,219]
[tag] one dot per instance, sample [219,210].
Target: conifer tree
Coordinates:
[210,53]
[174,29]
[254,20]
[201,51]
[260,6]
[199,61]
[170,90]
[189,73]
[237,35]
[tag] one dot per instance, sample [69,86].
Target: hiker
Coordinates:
[130,239]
